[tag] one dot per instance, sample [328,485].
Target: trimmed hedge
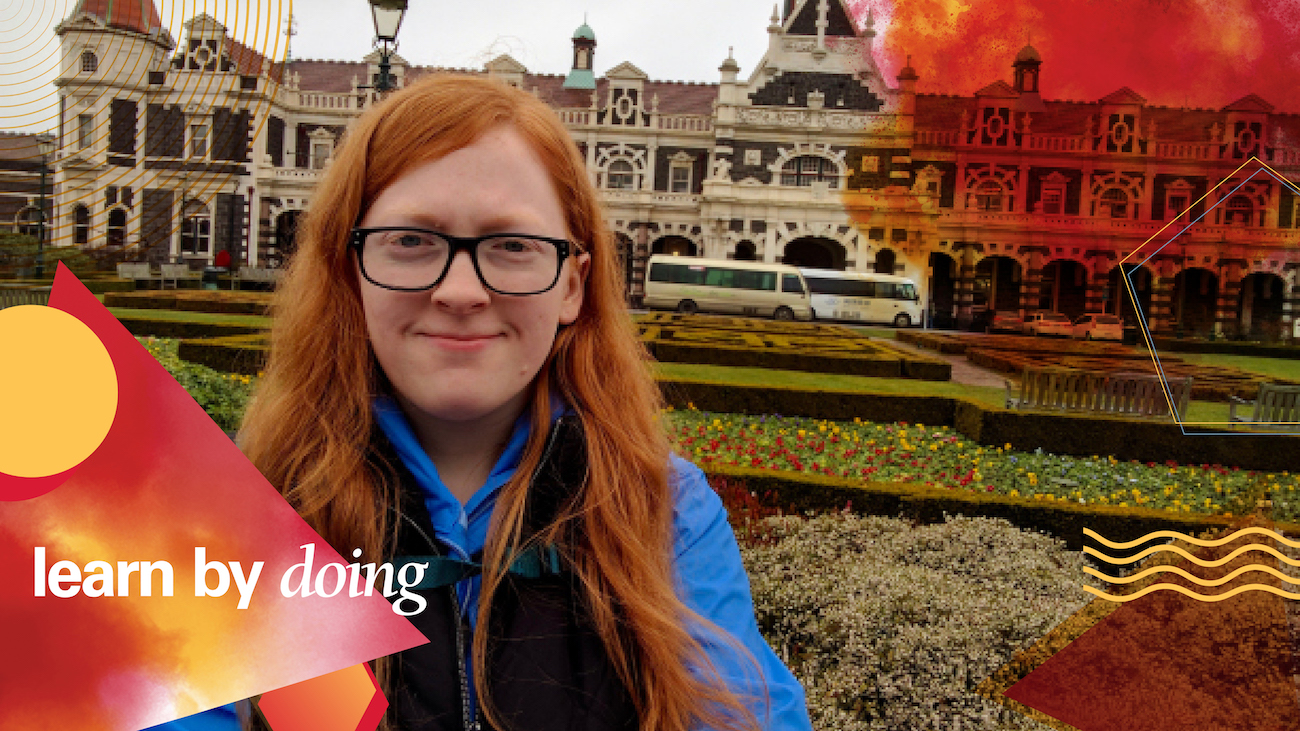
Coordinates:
[181,329]
[1072,434]
[1226,347]
[219,302]
[923,504]
[245,354]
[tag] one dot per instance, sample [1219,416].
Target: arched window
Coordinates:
[1240,211]
[117,227]
[988,196]
[620,176]
[196,229]
[89,62]
[29,221]
[1114,203]
[81,225]
[885,261]
[745,251]
[808,169]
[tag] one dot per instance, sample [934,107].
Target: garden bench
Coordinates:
[258,274]
[1275,405]
[174,273]
[137,271]
[11,296]
[1118,394]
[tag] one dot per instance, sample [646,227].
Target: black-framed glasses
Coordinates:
[414,259]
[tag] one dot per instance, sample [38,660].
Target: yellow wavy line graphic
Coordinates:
[1194,579]
[1090,551]
[1188,592]
[1194,541]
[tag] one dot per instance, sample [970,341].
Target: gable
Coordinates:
[839,23]
[626,70]
[1250,103]
[998,90]
[505,64]
[1123,95]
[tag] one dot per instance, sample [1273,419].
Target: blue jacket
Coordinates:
[711,578]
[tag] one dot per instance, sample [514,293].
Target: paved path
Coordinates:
[963,371]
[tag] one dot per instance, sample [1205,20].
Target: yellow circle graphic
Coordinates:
[59,391]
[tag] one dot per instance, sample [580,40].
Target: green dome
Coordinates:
[584,32]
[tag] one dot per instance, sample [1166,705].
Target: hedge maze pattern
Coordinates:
[1011,354]
[729,341]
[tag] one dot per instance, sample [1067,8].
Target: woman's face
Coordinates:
[460,352]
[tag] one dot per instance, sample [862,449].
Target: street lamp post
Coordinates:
[388,19]
[46,146]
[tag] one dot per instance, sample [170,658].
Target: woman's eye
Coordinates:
[409,240]
[514,246]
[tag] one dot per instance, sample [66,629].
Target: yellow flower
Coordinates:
[1123,505]
[1008,447]
[802,433]
[1033,479]
[1105,499]
[1014,492]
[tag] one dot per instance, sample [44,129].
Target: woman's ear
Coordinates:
[574,283]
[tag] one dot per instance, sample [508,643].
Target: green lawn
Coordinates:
[183,316]
[1276,367]
[825,381]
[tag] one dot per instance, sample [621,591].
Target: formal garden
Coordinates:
[907,537]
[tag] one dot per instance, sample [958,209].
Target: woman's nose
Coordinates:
[461,288]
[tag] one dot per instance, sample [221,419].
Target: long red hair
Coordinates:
[309,428]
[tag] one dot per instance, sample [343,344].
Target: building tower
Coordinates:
[584,49]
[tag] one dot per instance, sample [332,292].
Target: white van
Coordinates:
[689,285]
[863,297]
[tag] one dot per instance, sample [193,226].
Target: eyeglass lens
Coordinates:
[415,259]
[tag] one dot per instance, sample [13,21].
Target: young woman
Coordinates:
[453,373]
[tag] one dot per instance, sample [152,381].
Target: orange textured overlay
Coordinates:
[1167,662]
[162,480]
[346,700]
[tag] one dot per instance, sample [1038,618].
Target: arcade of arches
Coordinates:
[814,252]
[674,246]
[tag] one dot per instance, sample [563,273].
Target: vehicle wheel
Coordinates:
[784,314]
[903,320]
[688,307]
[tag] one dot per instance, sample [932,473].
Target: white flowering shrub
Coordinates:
[891,626]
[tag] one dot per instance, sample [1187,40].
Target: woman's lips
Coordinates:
[458,341]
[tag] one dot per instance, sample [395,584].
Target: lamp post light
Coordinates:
[388,16]
[46,144]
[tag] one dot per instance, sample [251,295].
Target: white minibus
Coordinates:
[689,285]
[863,297]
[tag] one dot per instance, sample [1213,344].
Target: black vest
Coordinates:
[547,668]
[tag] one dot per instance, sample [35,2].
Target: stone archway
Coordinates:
[1259,310]
[997,284]
[815,252]
[1118,300]
[943,289]
[674,246]
[1195,297]
[746,251]
[1064,288]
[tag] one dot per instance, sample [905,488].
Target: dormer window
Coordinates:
[89,62]
[1114,203]
[681,178]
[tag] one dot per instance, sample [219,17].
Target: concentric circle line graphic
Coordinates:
[1090,551]
[1189,593]
[1192,577]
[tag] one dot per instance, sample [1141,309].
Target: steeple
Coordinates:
[581,75]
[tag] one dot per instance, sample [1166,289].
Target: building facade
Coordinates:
[175,149]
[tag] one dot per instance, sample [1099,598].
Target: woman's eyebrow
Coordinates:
[502,222]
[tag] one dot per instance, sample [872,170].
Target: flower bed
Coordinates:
[222,395]
[941,457]
[892,626]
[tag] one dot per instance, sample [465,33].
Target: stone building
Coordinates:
[177,149]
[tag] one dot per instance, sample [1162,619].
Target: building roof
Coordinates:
[1028,54]
[580,79]
[1250,103]
[584,32]
[249,62]
[140,16]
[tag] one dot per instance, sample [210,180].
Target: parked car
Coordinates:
[1007,321]
[1098,327]
[1048,323]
